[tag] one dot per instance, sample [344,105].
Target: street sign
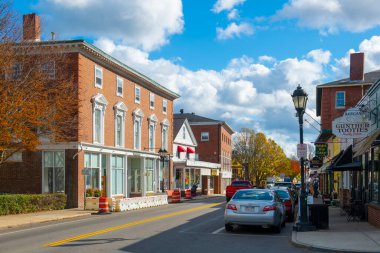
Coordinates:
[321,149]
[302,150]
[86,171]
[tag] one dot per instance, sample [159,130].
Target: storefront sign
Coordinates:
[321,149]
[214,172]
[352,124]
[316,162]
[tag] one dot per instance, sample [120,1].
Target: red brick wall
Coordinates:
[328,110]
[209,151]
[374,215]
[87,80]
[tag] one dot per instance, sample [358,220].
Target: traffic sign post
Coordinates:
[302,150]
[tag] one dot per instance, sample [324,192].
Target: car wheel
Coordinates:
[228,227]
[277,229]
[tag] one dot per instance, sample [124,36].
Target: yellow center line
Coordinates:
[106,230]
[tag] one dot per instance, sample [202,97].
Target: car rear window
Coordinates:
[253,195]
[282,184]
[283,194]
[240,183]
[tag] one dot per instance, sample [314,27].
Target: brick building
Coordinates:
[124,118]
[333,100]
[214,145]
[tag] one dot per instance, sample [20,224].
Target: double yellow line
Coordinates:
[127,225]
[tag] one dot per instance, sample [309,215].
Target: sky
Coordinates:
[233,60]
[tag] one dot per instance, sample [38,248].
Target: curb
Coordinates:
[299,244]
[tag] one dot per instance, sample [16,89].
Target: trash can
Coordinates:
[319,215]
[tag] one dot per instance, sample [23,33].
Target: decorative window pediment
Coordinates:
[100,99]
[153,119]
[165,122]
[120,106]
[138,113]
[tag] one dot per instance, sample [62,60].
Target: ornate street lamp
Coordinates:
[299,99]
[163,153]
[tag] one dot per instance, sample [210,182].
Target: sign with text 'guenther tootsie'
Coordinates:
[351,125]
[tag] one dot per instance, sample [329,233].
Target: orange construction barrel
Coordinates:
[176,196]
[103,206]
[188,194]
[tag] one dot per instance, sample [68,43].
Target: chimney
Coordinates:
[181,111]
[31,25]
[357,67]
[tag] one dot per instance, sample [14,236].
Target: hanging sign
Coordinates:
[316,162]
[353,124]
[321,149]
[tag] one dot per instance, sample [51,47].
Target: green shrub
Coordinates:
[97,192]
[90,192]
[28,203]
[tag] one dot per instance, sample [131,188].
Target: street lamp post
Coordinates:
[163,154]
[300,99]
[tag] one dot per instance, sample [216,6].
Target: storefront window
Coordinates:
[135,175]
[197,177]
[187,178]
[179,178]
[149,175]
[91,161]
[375,175]
[117,174]
[54,171]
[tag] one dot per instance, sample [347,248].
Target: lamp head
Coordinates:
[299,99]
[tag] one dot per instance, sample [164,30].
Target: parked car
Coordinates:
[260,207]
[235,186]
[287,185]
[288,201]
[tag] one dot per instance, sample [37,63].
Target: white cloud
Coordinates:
[333,15]
[144,24]
[266,58]
[222,5]
[234,30]
[234,14]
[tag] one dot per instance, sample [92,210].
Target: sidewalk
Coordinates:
[15,220]
[342,236]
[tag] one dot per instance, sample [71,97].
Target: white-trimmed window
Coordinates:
[340,99]
[53,171]
[98,77]
[137,95]
[119,86]
[120,114]
[152,132]
[99,109]
[92,163]
[137,122]
[164,106]
[151,101]
[204,136]
[165,133]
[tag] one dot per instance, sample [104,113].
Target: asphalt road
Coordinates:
[194,226]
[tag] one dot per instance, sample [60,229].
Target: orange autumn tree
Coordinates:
[38,101]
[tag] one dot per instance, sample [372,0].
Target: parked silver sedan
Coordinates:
[261,207]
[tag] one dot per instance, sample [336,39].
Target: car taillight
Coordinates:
[231,207]
[269,208]
[288,203]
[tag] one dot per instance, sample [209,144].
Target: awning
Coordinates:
[181,149]
[190,150]
[354,166]
[324,167]
[365,144]
[344,162]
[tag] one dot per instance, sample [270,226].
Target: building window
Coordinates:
[99,108]
[152,132]
[48,70]
[165,137]
[135,175]
[120,112]
[98,77]
[137,95]
[340,99]
[53,171]
[151,137]
[137,121]
[164,106]
[151,101]
[117,178]
[204,136]
[119,86]
[92,162]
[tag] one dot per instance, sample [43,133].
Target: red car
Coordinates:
[288,202]
[235,186]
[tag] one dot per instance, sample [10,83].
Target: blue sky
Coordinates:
[233,60]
